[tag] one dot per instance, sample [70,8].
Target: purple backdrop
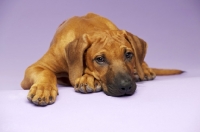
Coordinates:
[170,27]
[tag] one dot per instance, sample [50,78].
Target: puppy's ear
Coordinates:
[75,57]
[140,47]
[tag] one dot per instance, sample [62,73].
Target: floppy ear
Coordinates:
[140,47]
[75,56]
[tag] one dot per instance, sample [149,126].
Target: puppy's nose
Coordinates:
[125,85]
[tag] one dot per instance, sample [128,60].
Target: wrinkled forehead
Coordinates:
[111,41]
[113,38]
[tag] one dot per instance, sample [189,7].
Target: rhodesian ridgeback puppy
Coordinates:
[91,54]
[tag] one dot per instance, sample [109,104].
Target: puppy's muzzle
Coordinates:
[122,85]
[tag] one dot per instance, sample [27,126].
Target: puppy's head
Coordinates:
[111,57]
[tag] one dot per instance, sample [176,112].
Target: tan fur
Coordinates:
[70,60]
[164,72]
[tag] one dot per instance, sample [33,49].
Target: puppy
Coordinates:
[91,54]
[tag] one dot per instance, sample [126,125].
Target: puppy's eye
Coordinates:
[100,59]
[129,55]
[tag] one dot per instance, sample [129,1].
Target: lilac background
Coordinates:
[172,31]
[171,28]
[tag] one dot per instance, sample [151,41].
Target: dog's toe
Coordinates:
[89,89]
[97,86]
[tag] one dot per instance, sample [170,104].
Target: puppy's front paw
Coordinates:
[87,84]
[42,94]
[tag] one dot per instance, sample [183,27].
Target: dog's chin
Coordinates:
[115,93]
[118,94]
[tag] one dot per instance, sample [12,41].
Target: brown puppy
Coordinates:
[91,54]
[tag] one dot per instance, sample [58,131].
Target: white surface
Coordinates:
[157,106]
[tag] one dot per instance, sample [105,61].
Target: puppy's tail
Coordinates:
[163,72]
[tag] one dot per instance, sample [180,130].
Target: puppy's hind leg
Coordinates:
[149,74]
